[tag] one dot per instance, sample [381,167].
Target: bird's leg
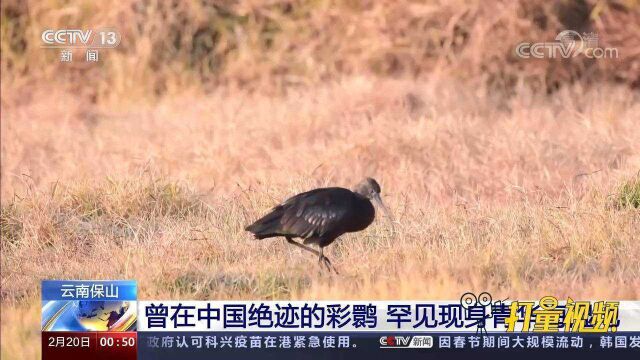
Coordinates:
[326,262]
[323,260]
[302,246]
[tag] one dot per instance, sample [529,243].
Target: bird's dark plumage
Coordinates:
[320,216]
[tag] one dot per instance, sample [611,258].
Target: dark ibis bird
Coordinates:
[320,216]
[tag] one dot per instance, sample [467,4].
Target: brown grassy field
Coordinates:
[522,199]
[518,179]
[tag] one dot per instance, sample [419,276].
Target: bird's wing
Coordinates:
[316,213]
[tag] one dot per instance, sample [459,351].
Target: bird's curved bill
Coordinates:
[387,213]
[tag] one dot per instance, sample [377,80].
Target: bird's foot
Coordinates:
[324,261]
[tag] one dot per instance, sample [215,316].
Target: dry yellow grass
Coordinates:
[168,46]
[517,197]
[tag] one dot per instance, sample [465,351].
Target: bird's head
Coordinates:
[370,189]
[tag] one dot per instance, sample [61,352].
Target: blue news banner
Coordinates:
[384,329]
[105,320]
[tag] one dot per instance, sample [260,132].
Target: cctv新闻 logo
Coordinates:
[102,38]
[407,341]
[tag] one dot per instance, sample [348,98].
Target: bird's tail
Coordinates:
[266,227]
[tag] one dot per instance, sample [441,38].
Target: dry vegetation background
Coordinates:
[518,177]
